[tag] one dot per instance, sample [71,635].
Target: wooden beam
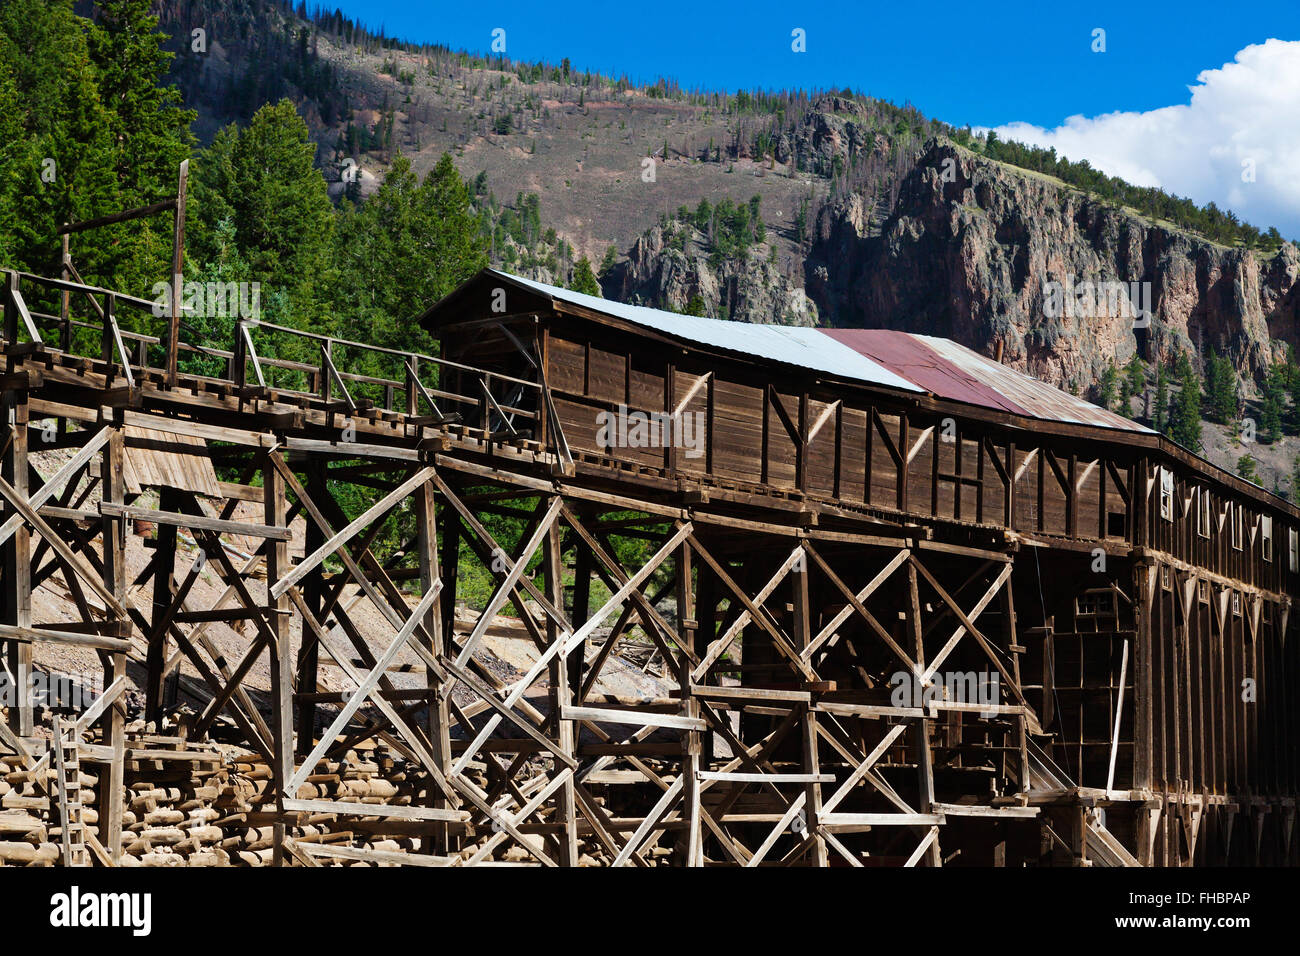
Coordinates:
[379,508]
[179,520]
[125,215]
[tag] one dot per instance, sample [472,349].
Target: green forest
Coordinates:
[1183,400]
[87,128]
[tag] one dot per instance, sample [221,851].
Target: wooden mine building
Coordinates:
[911,606]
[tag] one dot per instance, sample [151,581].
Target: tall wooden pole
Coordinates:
[164,566]
[565,733]
[921,743]
[438,717]
[313,592]
[177,278]
[277,564]
[113,533]
[803,635]
[15,564]
[692,739]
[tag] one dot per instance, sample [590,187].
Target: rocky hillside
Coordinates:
[674,266]
[971,246]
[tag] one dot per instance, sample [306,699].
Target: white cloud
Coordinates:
[1248,109]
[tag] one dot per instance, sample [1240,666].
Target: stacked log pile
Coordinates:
[25,831]
[193,803]
[173,787]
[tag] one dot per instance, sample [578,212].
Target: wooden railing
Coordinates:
[485,399]
[429,390]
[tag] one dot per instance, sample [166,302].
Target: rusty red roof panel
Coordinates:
[954,372]
[909,356]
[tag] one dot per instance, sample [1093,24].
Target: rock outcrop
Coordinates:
[669,266]
[971,251]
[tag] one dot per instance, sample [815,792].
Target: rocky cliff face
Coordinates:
[985,254]
[670,265]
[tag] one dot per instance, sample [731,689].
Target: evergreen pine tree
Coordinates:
[1271,423]
[404,221]
[1212,385]
[1246,469]
[1125,398]
[1106,388]
[57,155]
[206,328]
[282,211]
[584,280]
[150,132]
[1132,385]
[607,263]
[1162,401]
[148,119]
[1185,410]
[1220,389]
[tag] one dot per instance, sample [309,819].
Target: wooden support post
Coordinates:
[65,304]
[164,558]
[1119,713]
[412,388]
[671,454]
[711,405]
[582,570]
[803,635]
[925,771]
[15,564]
[113,533]
[313,592]
[1144,585]
[11,308]
[237,370]
[801,449]
[277,564]
[902,459]
[921,742]
[691,739]
[706,601]
[1078,817]
[449,565]
[439,719]
[566,734]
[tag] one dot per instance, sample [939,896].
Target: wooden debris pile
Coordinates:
[26,835]
[194,803]
[173,788]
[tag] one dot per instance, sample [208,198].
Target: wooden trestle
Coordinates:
[782,629]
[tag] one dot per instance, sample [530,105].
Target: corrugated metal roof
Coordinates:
[952,371]
[909,356]
[1039,399]
[900,360]
[805,347]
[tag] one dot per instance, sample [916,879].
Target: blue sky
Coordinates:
[964,62]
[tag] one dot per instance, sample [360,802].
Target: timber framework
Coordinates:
[908,606]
